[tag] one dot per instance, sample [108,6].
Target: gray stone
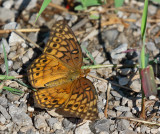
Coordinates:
[39,122]
[125,71]
[102,86]
[23,106]
[122,108]
[11,55]
[151,46]
[112,128]
[136,110]
[122,125]
[30,53]
[40,20]
[25,59]
[143,129]
[116,94]
[3,68]
[19,116]
[20,4]
[115,132]
[12,73]
[27,130]
[110,35]
[15,39]
[99,59]
[124,101]
[6,46]
[58,131]
[128,114]
[14,84]
[10,64]
[111,113]
[152,97]
[135,85]
[2,119]
[12,25]
[70,17]
[24,45]
[57,126]
[5,113]
[103,132]
[51,122]
[130,103]
[17,65]
[154,131]
[157,40]
[3,101]
[31,4]
[83,129]
[123,81]
[127,131]
[122,39]
[33,36]
[117,53]
[67,124]
[6,14]
[152,9]
[102,125]
[8,4]
[12,97]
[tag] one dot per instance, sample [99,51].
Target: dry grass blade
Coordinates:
[23,30]
[108,93]
[139,120]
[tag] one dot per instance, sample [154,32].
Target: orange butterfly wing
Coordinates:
[63,45]
[58,71]
[83,101]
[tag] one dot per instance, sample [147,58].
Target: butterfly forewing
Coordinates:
[46,69]
[64,45]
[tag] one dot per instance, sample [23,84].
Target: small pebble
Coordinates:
[83,129]
[123,81]
[122,108]
[8,4]
[39,122]
[135,85]
[110,35]
[118,53]
[116,94]
[152,97]
[152,9]
[15,39]
[102,125]
[125,71]
[4,112]
[151,46]
[6,14]
[102,86]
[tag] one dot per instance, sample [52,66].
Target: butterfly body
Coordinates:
[59,79]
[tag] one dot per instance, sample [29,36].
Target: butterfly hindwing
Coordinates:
[83,101]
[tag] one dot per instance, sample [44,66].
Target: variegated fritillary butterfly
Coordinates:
[59,78]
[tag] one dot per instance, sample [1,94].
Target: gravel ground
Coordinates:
[108,44]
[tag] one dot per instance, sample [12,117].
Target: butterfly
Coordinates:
[60,82]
